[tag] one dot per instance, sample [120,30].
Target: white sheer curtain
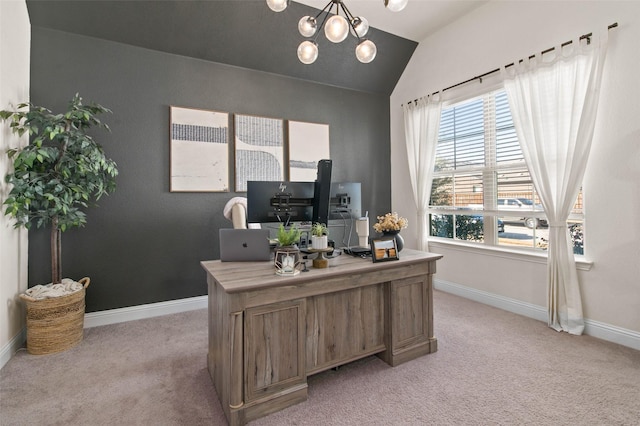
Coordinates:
[554,99]
[421,126]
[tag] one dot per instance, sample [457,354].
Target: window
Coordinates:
[482,191]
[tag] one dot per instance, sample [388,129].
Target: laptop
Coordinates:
[244,245]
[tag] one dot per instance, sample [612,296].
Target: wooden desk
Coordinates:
[267,333]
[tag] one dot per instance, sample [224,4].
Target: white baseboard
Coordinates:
[507,304]
[12,347]
[600,330]
[610,333]
[114,316]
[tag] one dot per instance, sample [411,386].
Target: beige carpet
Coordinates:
[492,368]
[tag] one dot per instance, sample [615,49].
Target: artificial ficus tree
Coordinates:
[59,172]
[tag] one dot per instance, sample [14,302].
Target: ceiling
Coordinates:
[416,21]
[247,34]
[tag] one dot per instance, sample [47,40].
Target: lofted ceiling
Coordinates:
[246,33]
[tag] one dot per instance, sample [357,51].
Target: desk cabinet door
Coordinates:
[411,312]
[274,348]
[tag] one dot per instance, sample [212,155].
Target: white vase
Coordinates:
[319,243]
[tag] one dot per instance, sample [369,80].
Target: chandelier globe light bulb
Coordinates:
[395,5]
[307,26]
[366,51]
[361,25]
[336,29]
[277,5]
[308,52]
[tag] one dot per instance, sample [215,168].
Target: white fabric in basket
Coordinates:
[66,287]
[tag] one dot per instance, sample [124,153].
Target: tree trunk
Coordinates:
[56,252]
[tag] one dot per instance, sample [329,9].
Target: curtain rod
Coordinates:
[551,49]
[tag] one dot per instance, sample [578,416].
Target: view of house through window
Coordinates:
[482,190]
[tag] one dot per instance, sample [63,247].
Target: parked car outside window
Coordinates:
[522,205]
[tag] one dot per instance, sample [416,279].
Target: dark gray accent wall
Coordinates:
[143,244]
[244,33]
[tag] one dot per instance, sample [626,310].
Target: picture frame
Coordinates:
[383,250]
[199,151]
[259,150]
[308,144]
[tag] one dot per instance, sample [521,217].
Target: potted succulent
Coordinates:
[61,171]
[319,236]
[287,255]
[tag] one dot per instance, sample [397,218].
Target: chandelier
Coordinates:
[336,28]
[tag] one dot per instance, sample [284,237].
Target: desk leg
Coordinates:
[237,361]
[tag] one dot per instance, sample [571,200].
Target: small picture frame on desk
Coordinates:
[384,249]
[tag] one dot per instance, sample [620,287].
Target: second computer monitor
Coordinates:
[345,200]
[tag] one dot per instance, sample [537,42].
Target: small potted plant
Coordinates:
[58,174]
[319,236]
[287,255]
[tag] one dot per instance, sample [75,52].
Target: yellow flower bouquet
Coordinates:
[390,222]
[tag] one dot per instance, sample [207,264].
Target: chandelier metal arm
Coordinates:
[326,12]
[325,9]
[338,3]
[347,12]
[350,19]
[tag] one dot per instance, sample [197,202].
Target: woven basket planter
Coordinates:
[55,324]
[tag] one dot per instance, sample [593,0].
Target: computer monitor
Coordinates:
[279,201]
[345,200]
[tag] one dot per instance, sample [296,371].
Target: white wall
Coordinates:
[494,35]
[14,89]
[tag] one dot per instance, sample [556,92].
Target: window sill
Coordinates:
[513,254]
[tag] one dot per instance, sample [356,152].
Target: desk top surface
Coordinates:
[244,276]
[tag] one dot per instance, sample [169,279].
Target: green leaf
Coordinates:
[28,159]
